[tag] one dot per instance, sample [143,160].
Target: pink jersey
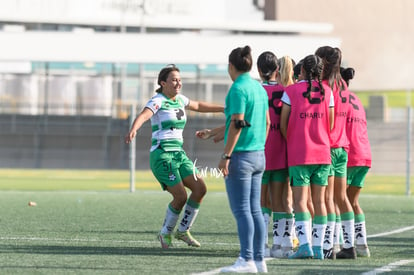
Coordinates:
[338,133]
[308,127]
[275,148]
[359,153]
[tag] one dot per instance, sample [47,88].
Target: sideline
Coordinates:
[408,228]
[388,268]
[379,270]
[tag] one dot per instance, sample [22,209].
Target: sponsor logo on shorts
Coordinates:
[172,177]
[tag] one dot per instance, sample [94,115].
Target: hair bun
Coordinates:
[245,51]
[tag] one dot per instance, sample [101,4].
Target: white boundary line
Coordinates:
[408,228]
[374,272]
[388,268]
[383,269]
[403,229]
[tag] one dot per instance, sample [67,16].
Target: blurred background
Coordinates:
[73,71]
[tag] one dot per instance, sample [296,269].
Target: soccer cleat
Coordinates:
[283,253]
[275,251]
[261,266]
[329,254]
[267,251]
[295,242]
[241,266]
[165,240]
[347,253]
[187,238]
[304,252]
[337,247]
[317,252]
[362,251]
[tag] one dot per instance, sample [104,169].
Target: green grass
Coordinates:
[87,222]
[114,233]
[109,180]
[394,99]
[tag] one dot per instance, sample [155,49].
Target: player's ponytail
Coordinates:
[313,66]
[241,58]
[347,74]
[267,64]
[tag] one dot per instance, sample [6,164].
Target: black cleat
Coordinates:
[347,253]
[329,254]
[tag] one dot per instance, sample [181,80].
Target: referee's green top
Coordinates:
[247,96]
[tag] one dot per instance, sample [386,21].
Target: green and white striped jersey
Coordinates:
[168,121]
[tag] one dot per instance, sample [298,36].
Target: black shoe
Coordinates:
[329,254]
[347,253]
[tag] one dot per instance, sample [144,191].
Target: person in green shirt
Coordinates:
[243,160]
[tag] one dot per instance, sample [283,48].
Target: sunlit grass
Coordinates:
[107,180]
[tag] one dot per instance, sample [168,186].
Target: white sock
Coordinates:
[303,232]
[329,235]
[287,238]
[170,221]
[278,229]
[189,216]
[337,232]
[266,218]
[361,233]
[318,234]
[348,228]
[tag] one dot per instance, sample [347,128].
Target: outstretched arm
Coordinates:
[205,107]
[139,120]
[217,133]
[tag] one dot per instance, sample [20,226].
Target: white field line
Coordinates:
[214,271]
[394,265]
[211,272]
[388,268]
[400,230]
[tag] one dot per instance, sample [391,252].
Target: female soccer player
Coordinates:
[336,191]
[305,122]
[286,75]
[276,176]
[169,163]
[359,162]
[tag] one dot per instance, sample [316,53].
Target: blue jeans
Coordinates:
[243,185]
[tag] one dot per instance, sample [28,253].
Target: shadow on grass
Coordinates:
[151,232]
[108,250]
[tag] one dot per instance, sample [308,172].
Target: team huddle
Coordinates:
[296,151]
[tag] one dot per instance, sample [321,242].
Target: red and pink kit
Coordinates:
[338,133]
[359,153]
[275,148]
[308,127]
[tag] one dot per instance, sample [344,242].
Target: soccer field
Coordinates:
[113,231]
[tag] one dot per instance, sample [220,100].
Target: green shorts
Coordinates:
[170,168]
[280,175]
[356,175]
[304,175]
[339,159]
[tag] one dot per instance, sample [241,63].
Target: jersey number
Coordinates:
[276,95]
[314,100]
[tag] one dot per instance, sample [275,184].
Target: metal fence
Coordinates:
[77,122]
